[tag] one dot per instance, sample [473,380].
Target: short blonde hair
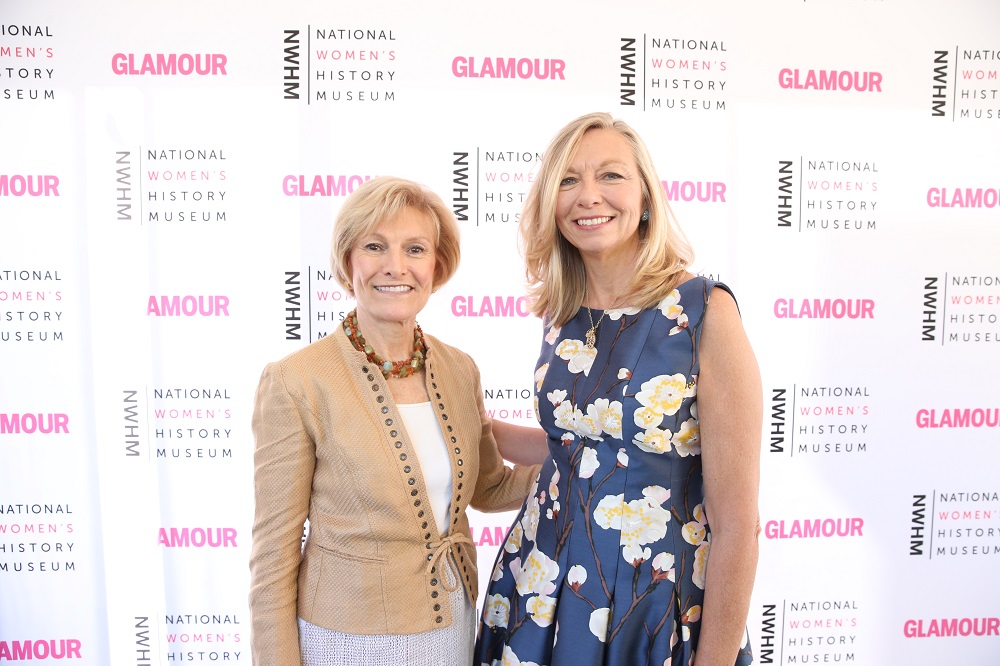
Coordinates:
[381,199]
[554,268]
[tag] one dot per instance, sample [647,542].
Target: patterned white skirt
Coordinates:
[446,646]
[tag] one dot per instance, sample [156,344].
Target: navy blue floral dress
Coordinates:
[605,564]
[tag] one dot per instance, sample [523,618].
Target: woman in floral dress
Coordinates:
[650,396]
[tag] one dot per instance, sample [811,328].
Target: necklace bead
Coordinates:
[389,369]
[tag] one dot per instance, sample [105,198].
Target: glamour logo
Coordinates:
[214,305]
[321,185]
[968,197]
[830,79]
[33,186]
[951,627]
[824,308]
[169,64]
[61,648]
[706,191]
[959,418]
[198,537]
[814,528]
[489,536]
[490,306]
[508,68]
[31,423]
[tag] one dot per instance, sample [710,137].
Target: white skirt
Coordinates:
[446,646]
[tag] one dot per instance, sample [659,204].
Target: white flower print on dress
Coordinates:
[700,564]
[608,414]
[576,576]
[588,425]
[510,659]
[671,306]
[579,356]
[540,376]
[532,513]
[599,620]
[653,440]
[556,397]
[687,440]
[641,522]
[497,611]
[553,334]
[663,567]
[542,609]
[565,416]
[695,530]
[616,313]
[497,570]
[662,395]
[537,574]
[588,462]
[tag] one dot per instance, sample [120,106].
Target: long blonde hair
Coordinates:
[554,268]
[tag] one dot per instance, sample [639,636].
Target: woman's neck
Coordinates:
[392,341]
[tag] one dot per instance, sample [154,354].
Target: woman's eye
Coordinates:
[417,249]
[611,175]
[567,181]
[372,247]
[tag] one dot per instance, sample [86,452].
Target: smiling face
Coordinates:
[600,198]
[392,271]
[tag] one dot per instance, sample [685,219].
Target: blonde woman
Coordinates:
[640,544]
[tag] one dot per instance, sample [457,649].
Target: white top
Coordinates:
[432,456]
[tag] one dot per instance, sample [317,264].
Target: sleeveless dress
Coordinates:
[605,564]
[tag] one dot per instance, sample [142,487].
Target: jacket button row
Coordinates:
[393,433]
[449,428]
[438,619]
[399,445]
[371,378]
[423,525]
[413,493]
[380,398]
[364,368]
[460,472]
[411,481]
[407,469]
[420,514]
[375,387]
[459,462]
[434,594]
[437,607]
[385,410]
[440,405]
[434,581]
[457,450]
[388,422]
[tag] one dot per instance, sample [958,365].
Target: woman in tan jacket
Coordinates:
[381,456]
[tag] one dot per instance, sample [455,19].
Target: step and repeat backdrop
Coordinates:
[169,174]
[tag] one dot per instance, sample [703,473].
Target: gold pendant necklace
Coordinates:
[591,337]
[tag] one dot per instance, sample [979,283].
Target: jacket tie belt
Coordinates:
[452,548]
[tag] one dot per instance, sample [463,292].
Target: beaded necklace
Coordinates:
[390,369]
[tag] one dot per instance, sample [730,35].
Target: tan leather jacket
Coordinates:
[330,446]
